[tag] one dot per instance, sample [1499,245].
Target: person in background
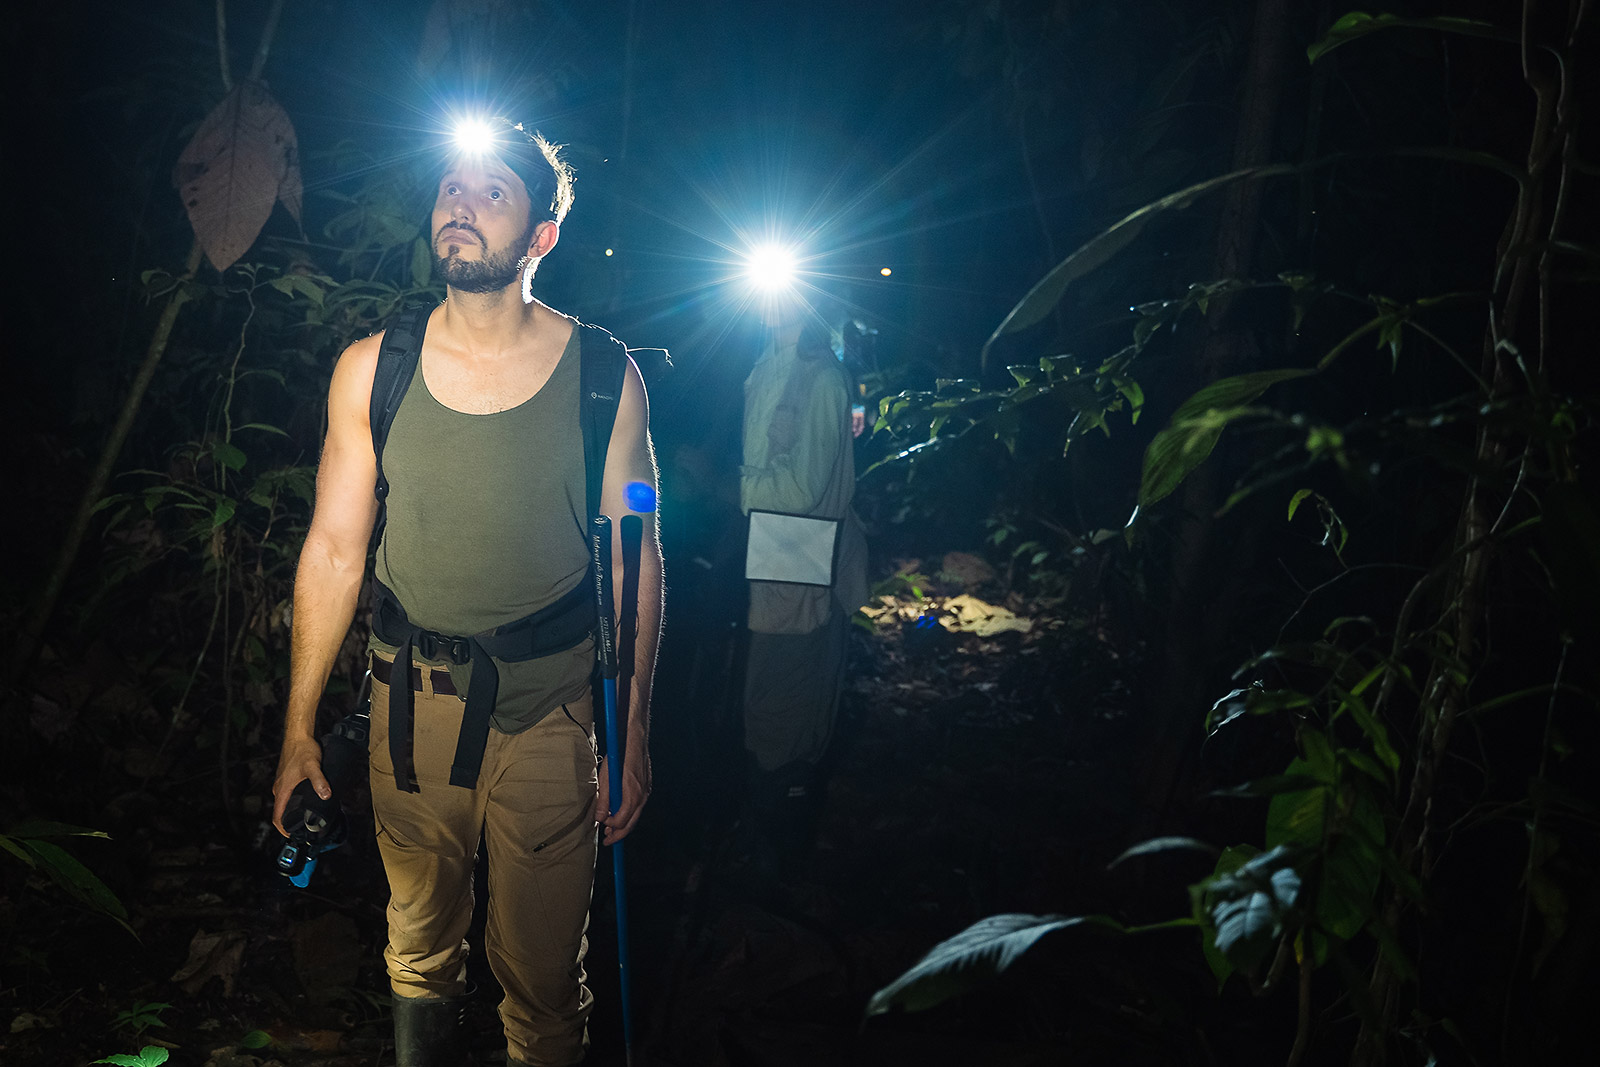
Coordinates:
[798,460]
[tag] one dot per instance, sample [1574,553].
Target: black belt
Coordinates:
[553,628]
[383,670]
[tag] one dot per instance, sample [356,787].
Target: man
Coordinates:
[485,525]
[798,460]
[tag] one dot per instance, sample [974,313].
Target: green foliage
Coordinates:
[1244,908]
[141,1017]
[204,531]
[1368,694]
[32,843]
[149,1056]
[1196,427]
[1358,24]
[256,1039]
[979,953]
[1094,254]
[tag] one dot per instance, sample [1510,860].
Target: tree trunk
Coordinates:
[1197,609]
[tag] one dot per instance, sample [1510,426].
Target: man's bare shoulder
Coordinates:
[358,363]
[351,387]
[362,353]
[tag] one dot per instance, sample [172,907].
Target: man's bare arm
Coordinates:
[631,458]
[328,579]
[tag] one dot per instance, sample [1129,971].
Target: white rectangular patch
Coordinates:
[790,548]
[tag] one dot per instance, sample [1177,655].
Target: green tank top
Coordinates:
[486,518]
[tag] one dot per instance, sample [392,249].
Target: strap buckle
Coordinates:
[432,645]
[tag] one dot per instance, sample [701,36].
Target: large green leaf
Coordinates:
[1250,907]
[1297,817]
[1359,24]
[1232,858]
[1252,700]
[1198,424]
[1350,875]
[149,1056]
[1044,296]
[51,828]
[973,956]
[1344,826]
[1166,844]
[79,882]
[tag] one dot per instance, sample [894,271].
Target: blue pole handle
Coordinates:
[606,651]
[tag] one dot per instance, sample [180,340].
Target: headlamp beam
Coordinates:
[474,136]
[772,267]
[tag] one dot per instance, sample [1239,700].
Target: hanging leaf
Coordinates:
[242,159]
[1197,425]
[1166,844]
[1250,906]
[229,455]
[1044,296]
[1231,859]
[75,879]
[1359,24]
[435,38]
[981,951]
[50,828]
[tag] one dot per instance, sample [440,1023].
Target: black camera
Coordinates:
[315,825]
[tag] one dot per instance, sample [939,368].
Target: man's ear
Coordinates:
[545,236]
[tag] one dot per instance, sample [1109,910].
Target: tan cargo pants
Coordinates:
[534,807]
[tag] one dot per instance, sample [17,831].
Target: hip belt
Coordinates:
[554,628]
[383,671]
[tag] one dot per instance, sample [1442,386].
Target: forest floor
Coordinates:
[974,771]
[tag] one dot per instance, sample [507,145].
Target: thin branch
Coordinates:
[222,46]
[268,31]
[1302,1029]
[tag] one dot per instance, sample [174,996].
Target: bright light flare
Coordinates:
[772,268]
[474,136]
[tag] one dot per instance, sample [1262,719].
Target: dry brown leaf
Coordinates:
[975,616]
[435,37]
[211,956]
[242,159]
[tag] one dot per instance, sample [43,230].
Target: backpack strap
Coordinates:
[397,365]
[603,367]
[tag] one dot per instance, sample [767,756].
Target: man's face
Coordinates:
[482,226]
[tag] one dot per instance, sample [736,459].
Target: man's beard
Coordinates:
[492,273]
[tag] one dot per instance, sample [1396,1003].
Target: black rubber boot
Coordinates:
[787,804]
[428,1032]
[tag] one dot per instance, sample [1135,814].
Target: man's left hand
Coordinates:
[635,791]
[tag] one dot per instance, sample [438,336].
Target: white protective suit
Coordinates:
[798,459]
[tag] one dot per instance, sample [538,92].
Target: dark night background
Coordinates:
[1418,689]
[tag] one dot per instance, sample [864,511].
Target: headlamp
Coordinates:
[476,136]
[771,268]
